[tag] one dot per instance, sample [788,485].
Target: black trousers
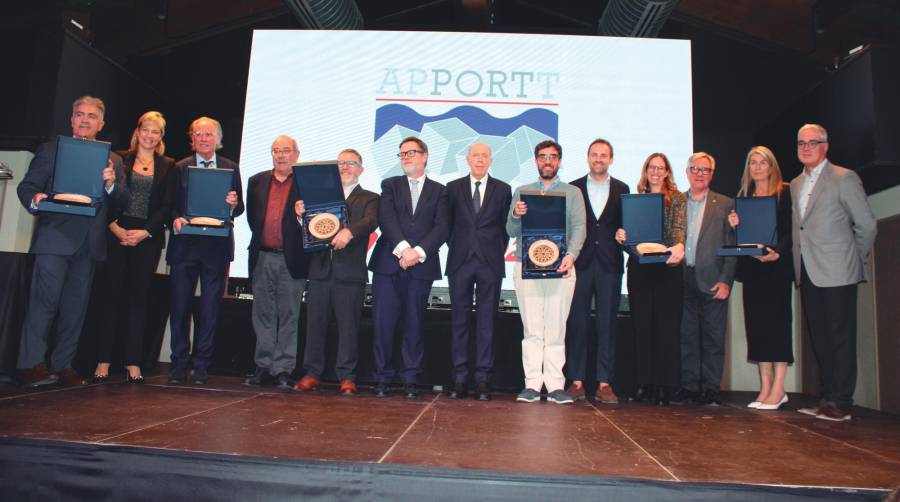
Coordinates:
[605,289]
[346,300]
[656,294]
[126,277]
[831,318]
[475,275]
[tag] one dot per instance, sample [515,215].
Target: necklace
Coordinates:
[145,164]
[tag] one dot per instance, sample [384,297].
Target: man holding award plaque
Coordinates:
[208,256]
[544,302]
[66,246]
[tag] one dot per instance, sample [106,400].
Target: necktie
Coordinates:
[476,197]
[206,163]
[414,191]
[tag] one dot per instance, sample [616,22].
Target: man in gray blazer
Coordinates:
[707,283]
[833,229]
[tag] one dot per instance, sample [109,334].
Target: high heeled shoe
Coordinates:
[770,407]
[100,378]
[137,380]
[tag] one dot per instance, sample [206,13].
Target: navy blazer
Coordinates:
[600,242]
[63,234]
[484,234]
[162,195]
[295,258]
[201,247]
[349,264]
[427,228]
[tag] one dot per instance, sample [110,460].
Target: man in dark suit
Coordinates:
[599,268]
[278,266]
[193,255]
[337,279]
[478,205]
[707,284]
[833,231]
[66,247]
[414,224]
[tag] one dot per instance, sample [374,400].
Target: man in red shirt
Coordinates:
[278,266]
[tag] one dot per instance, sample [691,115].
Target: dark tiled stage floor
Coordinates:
[727,444]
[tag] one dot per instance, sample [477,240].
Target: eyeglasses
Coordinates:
[700,170]
[282,151]
[548,156]
[204,135]
[660,169]
[409,153]
[809,144]
[349,163]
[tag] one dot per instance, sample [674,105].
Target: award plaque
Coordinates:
[758,227]
[642,219]
[543,244]
[205,209]
[320,189]
[77,185]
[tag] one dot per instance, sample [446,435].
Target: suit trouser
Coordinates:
[473,274]
[702,337]
[275,313]
[60,291]
[212,286]
[399,296]
[127,272]
[346,299]
[544,306]
[605,288]
[831,317]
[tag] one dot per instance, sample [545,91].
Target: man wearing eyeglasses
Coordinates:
[833,230]
[544,303]
[190,256]
[479,204]
[278,266]
[707,284]
[413,217]
[337,282]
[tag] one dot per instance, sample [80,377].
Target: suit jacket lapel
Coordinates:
[404,196]
[489,186]
[708,208]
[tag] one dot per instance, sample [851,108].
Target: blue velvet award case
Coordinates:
[757,228]
[545,220]
[78,170]
[642,219]
[320,189]
[206,192]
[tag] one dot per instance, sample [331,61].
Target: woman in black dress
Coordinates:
[767,283]
[136,239]
[655,291]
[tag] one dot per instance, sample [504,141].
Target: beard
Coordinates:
[548,176]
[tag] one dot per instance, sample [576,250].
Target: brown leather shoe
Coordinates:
[833,413]
[814,410]
[348,388]
[69,378]
[606,395]
[307,383]
[576,392]
[39,376]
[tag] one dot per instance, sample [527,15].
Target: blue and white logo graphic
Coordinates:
[450,134]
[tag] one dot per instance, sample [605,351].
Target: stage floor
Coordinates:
[726,444]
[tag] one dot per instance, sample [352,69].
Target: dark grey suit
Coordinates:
[338,279]
[66,247]
[703,318]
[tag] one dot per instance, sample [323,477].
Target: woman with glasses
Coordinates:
[655,291]
[136,239]
[767,283]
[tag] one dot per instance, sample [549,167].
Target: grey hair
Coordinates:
[294,144]
[90,100]
[823,134]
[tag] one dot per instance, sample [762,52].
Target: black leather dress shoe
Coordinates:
[710,398]
[483,392]
[409,391]
[661,395]
[684,396]
[261,377]
[200,377]
[458,391]
[178,376]
[380,390]
[643,393]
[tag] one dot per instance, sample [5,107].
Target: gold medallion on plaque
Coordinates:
[324,225]
[543,252]
[207,221]
[72,197]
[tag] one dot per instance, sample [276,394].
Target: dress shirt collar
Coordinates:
[348,190]
[200,159]
[816,170]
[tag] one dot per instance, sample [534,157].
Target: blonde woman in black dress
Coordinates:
[767,283]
